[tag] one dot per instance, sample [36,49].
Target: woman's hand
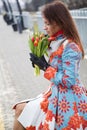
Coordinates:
[40,62]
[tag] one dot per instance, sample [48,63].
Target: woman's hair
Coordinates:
[57,11]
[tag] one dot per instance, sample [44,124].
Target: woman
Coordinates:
[64,105]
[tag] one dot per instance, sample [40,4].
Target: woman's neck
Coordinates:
[60,32]
[56,35]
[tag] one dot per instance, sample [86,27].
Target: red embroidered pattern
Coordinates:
[59,120]
[62,89]
[31,128]
[64,105]
[49,115]
[58,52]
[77,90]
[76,120]
[82,105]
[44,105]
[50,72]
[54,101]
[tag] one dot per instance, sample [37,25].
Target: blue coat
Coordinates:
[68,98]
[64,105]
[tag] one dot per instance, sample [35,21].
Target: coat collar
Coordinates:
[56,36]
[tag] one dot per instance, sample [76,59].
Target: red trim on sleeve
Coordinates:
[50,73]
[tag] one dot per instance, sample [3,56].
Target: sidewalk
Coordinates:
[1,121]
[17,81]
[7,96]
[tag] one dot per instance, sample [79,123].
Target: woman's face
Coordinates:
[50,28]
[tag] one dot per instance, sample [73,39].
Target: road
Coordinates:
[17,80]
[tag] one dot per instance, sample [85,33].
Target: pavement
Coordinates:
[1,122]
[17,80]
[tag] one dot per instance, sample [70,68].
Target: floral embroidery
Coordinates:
[75,107]
[58,52]
[59,120]
[31,128]
[77,90]
[64,105]
[50,72]
[67,63]
[82,105]
[46,126]
[62,89]
[49,115]
[64,79]
[75,120]
[54,101]
[84,123]
[44,105]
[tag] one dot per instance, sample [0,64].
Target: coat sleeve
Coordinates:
[67,75]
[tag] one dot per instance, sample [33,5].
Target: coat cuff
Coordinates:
[50,73]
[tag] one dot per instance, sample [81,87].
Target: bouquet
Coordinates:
[38,44]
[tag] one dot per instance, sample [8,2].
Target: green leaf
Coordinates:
[31,45]
[44,46]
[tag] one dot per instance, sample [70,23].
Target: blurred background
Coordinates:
[25,14]
[18,19]
[33,5]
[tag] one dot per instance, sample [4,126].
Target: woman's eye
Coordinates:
[47,24]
